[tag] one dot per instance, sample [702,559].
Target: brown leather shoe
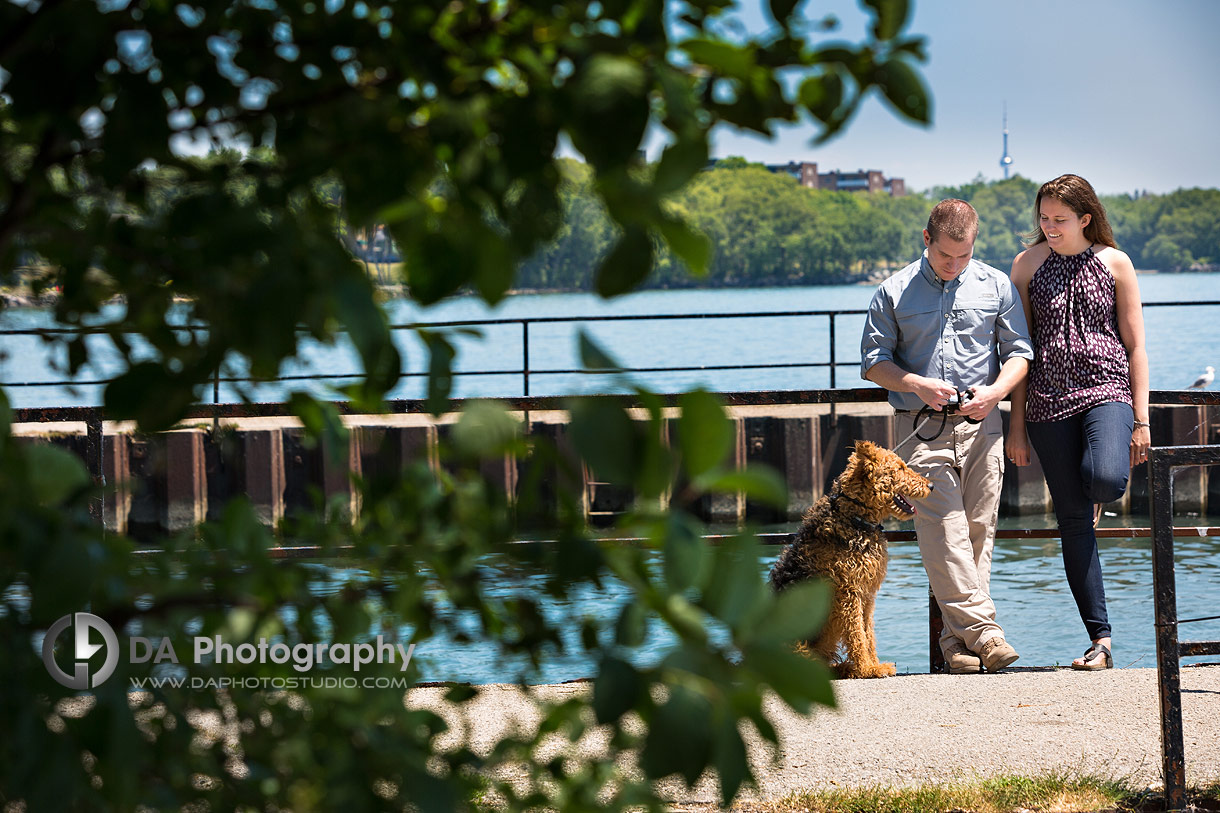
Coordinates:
[961,661]
[997,653]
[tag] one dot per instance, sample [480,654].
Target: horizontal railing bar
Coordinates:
[511,320]
[1192,649]
[681,316]
[778,365]
[767,538]
[1197,620]
[560,402]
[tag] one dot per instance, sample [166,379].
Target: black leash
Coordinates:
[926,413]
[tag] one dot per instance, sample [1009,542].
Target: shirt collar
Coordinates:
[925,269]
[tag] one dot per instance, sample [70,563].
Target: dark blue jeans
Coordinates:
[1086,459]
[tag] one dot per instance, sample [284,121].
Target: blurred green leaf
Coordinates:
[685,554]
[904,90]
[609,102]
[441,354]
[592,355]
[781,10]
[485,429]
[729,756]
[368,329]
[822,94]
[127,397]
[891,17]
[722,57]
[705,433]
[679,163]
[627,264]
[54,473]
[799,681]
[685,618]
[6,419]
[632,627]
[617,690]
[758,482]
[606,439]
[322,424]
[736,592]
[692,247]
[680,737]
[798,613]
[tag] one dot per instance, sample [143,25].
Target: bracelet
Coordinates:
[1143,423]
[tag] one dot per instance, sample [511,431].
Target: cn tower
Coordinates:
[1005,159]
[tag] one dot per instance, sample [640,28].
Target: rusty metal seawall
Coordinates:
[166,482]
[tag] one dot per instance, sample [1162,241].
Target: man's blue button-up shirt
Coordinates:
[961,331]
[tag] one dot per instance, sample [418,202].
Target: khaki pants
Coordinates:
[955,524]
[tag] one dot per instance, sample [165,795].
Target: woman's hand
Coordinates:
[1141,439]
[1017,446]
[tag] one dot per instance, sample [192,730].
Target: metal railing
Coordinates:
[1169,650]
[526,371]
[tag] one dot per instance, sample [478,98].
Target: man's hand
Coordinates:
[984,400]
[934,392]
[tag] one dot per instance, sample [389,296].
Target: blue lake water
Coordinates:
[1181,341]
[1032,599]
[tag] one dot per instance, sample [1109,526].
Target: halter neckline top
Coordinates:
[1079,357]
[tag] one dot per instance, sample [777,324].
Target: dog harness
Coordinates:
[860,522]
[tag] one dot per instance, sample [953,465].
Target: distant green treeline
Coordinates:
[768,230]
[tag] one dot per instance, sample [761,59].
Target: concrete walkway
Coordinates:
[914,729]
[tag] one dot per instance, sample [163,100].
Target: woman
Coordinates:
[1085,404]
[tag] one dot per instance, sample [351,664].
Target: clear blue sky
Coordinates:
[1125,93]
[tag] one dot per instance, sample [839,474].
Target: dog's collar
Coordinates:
[860,522]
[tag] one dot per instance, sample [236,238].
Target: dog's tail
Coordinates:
[786,571]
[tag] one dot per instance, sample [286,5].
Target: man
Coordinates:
[948,330]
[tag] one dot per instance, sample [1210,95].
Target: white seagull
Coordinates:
[1204,381]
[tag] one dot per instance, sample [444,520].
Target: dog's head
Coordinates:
[881,480]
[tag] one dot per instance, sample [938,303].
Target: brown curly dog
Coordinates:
[840,540]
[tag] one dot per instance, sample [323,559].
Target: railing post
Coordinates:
[936,625]
[834,415]
[215,400]
[1168,655]
[832,351]
[93,461]
[525,366]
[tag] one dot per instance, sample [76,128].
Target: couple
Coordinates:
[948,330]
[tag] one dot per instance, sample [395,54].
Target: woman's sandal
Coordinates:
[1091,664]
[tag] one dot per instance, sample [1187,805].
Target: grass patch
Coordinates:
[1056,791]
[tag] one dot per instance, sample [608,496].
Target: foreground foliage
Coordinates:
[442,121]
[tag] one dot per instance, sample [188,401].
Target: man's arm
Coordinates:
[932,391]
[1015,350]
[987,396]
[877,347]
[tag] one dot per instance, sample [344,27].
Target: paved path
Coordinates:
[921,728]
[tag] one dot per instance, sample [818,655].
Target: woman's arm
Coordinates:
[1131,331]
[1017,443]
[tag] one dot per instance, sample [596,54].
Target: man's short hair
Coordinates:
[954,219]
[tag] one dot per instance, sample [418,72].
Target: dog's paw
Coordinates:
[845,670]
[884,670]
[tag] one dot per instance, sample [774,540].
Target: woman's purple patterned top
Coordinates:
[1079,358]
